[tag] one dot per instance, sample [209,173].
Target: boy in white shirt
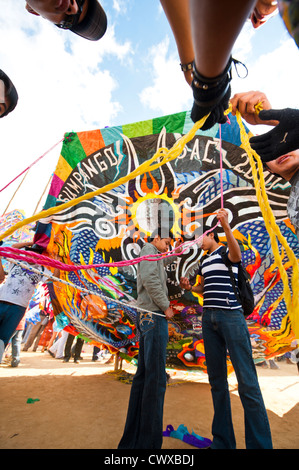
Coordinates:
[15,294]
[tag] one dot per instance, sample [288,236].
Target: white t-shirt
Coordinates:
[20,284]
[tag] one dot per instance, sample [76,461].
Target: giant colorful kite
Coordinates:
[186,192]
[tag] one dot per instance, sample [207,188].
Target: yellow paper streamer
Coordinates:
[291,300]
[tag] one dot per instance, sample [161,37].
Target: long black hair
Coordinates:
[10,93]
[216,238]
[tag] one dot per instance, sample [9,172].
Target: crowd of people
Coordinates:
[207,65]
[45,336]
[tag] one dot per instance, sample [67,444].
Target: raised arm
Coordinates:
[215,26]
[178,15]
[21,245]
[233,246]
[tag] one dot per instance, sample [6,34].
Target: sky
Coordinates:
[67,83]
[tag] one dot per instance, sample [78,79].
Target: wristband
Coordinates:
[211,95]
[221,82]
[186,67]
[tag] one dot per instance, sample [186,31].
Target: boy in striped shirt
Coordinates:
[225,330]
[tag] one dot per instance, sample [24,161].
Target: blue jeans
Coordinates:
[227,330]
[144,424]
[10,317]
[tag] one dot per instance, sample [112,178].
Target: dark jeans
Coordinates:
[227,330]
[77,347]
[144,424]
[95,352]
[10,317]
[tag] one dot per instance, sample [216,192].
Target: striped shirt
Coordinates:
[218,291]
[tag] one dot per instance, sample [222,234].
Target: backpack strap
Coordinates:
[203,258]
[228,264]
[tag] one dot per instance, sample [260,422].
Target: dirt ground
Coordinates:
[84,406]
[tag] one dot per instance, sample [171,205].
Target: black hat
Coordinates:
[94,24]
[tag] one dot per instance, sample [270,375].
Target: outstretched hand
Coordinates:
[211,95]
[199,110]
[284,138]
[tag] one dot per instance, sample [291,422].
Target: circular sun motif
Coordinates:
[152,210]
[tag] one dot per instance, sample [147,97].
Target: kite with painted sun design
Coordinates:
[185,192]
